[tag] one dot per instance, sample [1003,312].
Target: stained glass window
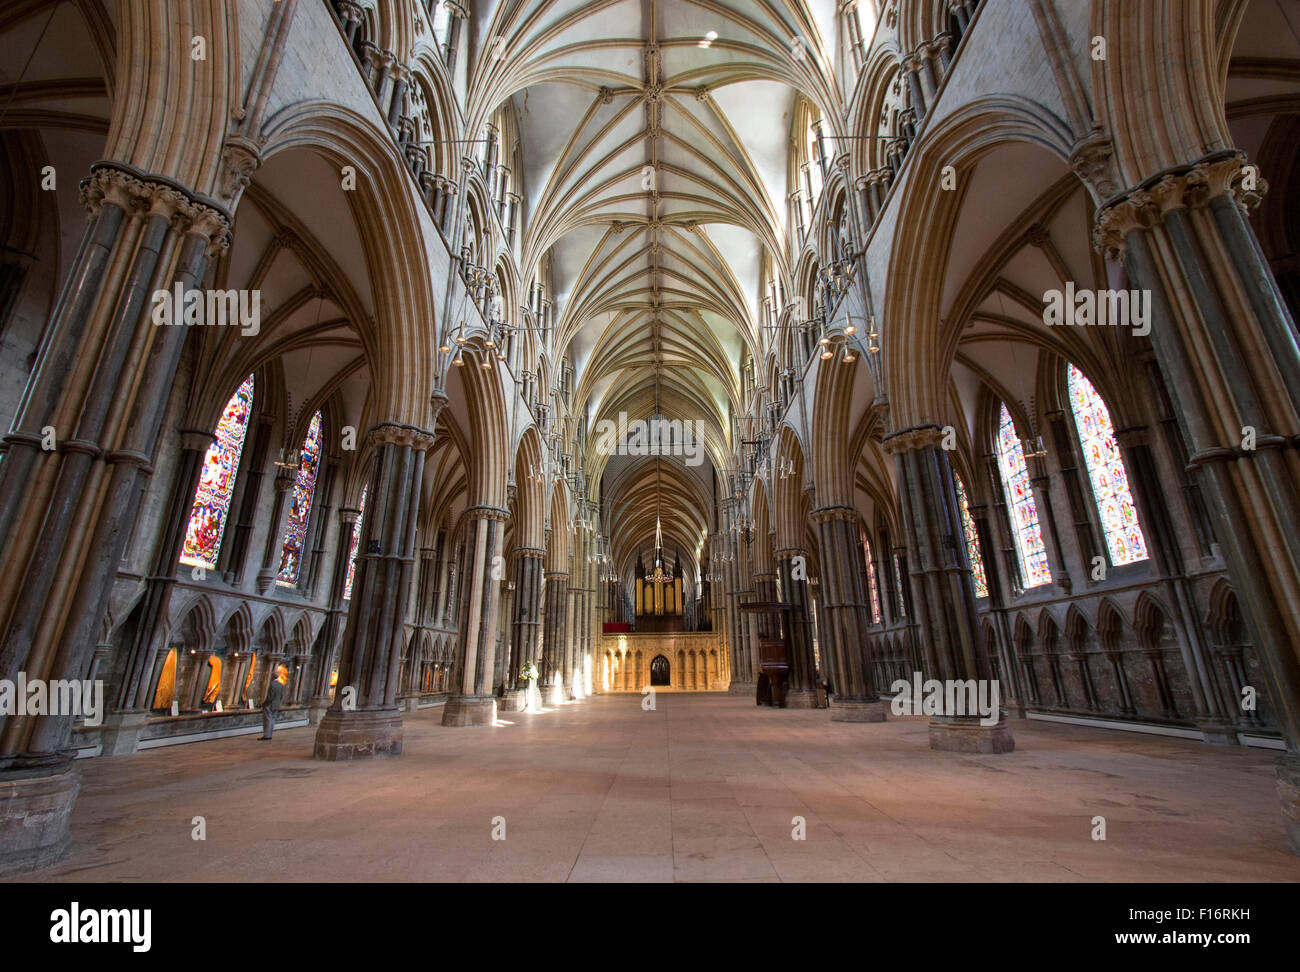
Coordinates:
[898,584]
[871,579]
[1119,519]
[217,482]
[1030,550]
[304,487]
[352,547]
[972,541]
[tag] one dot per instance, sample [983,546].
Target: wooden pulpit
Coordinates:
[773,650]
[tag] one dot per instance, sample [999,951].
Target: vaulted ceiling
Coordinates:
[655,138]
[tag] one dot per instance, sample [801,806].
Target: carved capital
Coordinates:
[829,514]
[1093,161]
[485,512]
[919,437]
[1184,187]
[393,433]
[240,158]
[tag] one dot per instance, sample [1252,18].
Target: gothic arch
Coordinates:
[915,370]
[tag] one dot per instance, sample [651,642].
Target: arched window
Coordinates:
[304,487]
[872,590]
[352,547]
[972,540]
[1119,519]
[1030,550]
[217,482]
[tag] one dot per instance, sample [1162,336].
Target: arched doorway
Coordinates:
[659,671]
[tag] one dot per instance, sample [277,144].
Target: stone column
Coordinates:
[284,482]
[363,720]
[79,500]
[801,692]
[527,624]
[242,526]
[136,677]
[844,633]
[472,702]
[1230,355]
[323,649]
[555,637]
[943,594]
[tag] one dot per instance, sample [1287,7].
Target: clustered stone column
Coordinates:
[581,627]
[84,494]
[364,719]
[323,651]
[554,637]
[791,565]
[472,702]
[527,624]
[136,675]
[284,482]
[1230,354]
[845,619]
[943,592]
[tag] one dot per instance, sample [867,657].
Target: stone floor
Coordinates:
[704,788]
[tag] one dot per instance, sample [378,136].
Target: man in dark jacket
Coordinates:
[272,704]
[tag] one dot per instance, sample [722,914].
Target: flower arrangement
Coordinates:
[529,672]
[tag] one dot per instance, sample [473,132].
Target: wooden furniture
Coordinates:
[773,650]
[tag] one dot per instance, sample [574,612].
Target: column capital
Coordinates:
[396,433]
[1218,174]
[139,192]
[484,512]
[828,514]
[915,438]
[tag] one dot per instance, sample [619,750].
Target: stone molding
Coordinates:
[1184,187]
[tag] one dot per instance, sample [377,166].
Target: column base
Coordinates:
[742,688]
[554,695]
[964,734]
[34,812]
[801,699]
[122,732]
[1288,791]
[857,710]
[470,710]
[1218,733]
[359,734]
[316,711]
[513,700]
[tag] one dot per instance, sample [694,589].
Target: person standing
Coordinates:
[274,695]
